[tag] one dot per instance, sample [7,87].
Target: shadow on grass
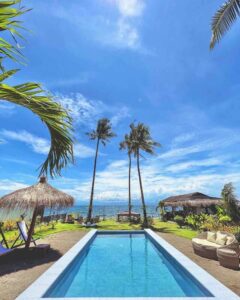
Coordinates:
[21,259]
[162,229]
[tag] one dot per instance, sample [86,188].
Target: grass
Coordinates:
[170,227]
[109,224]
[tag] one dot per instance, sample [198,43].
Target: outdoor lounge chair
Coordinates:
[23,235]
[207,247]
[4,250]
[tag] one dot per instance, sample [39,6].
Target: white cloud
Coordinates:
[41,145]
[183,138]
[7,186]
[203,146]
[130,8]
[193,164]
[83,151]
[38,145]
[156,185]
[127,33]
[6,108]
[86,111]
[83,110]
[121,31]
[123,113]
[2,141]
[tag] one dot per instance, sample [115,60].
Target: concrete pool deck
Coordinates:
[18,272]
[39,288]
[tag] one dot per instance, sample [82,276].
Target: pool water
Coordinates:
[125,265]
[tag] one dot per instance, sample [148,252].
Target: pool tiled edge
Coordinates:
[208,281]
[38,289]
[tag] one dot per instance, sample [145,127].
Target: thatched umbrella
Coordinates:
[36,198]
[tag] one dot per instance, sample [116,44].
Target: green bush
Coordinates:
[179,220]
[225,219]
[9,225]
[210,223]
[196,221]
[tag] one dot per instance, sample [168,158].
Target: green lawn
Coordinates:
[169,227]
[110,224]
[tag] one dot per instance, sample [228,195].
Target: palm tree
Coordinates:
[127,144]
[32,96]
[103,134]
[142,142]
[225,16]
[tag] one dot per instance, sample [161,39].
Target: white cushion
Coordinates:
[230,239]
[221,238]
[204,242]
[211,237]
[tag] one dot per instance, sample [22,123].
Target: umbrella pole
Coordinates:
[31,229]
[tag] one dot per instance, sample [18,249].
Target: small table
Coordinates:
[228,258]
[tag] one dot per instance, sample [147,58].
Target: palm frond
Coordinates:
[141,140]
[223,20]
[8,23]
[103,131]
[59,123]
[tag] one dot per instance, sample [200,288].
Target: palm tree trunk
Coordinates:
[129,187]
[90,208]
[145,221]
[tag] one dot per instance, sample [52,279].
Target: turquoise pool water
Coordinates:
[125,265]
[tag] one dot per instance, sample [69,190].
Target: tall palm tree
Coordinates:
[32,96]
[223,19]
[103,134]
[142,142]
[126,144]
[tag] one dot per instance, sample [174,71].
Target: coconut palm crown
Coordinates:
[223,19]
[31,95]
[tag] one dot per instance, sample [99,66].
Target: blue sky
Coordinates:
[129,60]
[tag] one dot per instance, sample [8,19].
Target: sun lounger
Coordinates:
[4,250]
[23,234]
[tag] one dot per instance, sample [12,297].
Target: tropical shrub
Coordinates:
[210,223]
[9,225]
[196,221]
[225,219]
[179,220]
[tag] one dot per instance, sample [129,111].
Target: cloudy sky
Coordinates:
[129,60]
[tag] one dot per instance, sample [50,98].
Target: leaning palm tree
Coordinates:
[103,134]
[223,19]
[32,96]
[126,144]
[142,142]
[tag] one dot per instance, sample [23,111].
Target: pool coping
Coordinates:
[38,288]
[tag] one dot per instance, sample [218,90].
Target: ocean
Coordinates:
[107,210]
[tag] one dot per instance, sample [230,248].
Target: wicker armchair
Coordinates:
[207,249]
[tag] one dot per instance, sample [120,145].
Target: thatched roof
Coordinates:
[191,200]
[40,194]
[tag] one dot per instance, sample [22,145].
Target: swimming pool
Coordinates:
[125,265]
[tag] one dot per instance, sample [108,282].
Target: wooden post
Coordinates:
[31,229]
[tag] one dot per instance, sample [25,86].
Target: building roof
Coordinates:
[191,200]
